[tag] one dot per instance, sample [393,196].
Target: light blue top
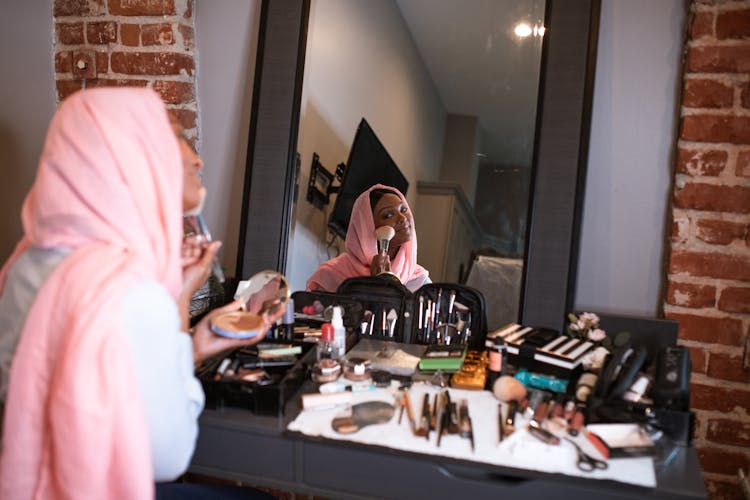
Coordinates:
[162,356]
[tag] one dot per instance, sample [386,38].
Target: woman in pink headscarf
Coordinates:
[378,206]
[94,302]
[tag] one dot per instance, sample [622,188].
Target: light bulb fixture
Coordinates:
[523,30]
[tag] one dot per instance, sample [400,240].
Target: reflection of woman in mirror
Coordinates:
[265,295]
[378,206]
[101,396]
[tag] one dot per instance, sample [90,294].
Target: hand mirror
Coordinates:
[362,415]
[264,293]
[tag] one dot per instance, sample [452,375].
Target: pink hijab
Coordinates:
[109,187]
[361,246]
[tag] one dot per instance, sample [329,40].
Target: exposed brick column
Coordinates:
[708,281]
[142,43]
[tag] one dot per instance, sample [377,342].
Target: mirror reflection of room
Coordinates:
[451,97]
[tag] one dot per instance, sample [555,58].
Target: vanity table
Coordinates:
[238,445]
[234,444]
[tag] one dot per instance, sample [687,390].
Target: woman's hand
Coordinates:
[192,250]
[197,257]
[380,263]
[206,343]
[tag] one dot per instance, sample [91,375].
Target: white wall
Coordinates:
[460,162]
[226,33]
[27,103]
[630,156]
[360,62]
[226,39]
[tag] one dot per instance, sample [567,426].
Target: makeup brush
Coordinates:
[215,265]
[392,317]
[384,235]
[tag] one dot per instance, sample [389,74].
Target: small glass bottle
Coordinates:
[327,368]
[496,364]
[339,331]
[286,329]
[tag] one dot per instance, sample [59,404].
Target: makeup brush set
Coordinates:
[440,415]
[435,314]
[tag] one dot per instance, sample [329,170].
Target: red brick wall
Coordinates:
[708,282]
[144,43]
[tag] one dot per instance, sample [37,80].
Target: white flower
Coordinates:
[590,319]
[594,360]
[597,335]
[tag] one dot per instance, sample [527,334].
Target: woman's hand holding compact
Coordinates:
[197,258]
[206,343]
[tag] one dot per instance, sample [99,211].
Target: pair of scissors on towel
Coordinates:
[585,462]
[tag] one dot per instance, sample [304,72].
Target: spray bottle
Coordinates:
[339,332]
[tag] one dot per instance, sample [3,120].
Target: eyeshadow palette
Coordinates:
[542,345]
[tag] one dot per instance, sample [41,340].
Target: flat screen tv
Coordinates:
[369,163]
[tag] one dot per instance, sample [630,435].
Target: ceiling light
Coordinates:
[522,30]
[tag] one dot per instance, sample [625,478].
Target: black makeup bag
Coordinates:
[391,312]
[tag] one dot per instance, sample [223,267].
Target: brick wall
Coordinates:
[708,282]
[143,43]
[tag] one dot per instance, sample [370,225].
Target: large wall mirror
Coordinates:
[477,114]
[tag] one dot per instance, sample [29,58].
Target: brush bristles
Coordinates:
[385,233]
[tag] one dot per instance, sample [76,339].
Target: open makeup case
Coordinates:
[251,381]
[373,308]
[433,328]
[262,377]
[436,313]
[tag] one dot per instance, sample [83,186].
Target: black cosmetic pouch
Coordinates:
[435,313]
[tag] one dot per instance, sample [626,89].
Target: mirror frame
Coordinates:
[559,160]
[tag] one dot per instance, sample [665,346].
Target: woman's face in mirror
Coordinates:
[391,211]
[191,168]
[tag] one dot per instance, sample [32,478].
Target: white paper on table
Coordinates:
[520,450]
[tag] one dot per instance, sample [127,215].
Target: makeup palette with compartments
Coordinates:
[541,349]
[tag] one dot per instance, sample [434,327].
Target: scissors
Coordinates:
[585,462]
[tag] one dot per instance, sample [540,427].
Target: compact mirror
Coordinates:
[264,293]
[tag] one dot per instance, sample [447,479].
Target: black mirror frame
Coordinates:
[560,153]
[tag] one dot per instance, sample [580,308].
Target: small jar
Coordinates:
[327,367]
[357,369]
[637,391]
[326,370]
[585,387]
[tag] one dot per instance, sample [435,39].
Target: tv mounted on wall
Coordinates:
[369,163]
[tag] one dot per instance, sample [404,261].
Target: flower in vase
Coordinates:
[586,327]
[596,335]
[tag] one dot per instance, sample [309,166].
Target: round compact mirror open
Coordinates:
[265,292]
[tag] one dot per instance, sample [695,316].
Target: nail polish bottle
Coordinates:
[496,365]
